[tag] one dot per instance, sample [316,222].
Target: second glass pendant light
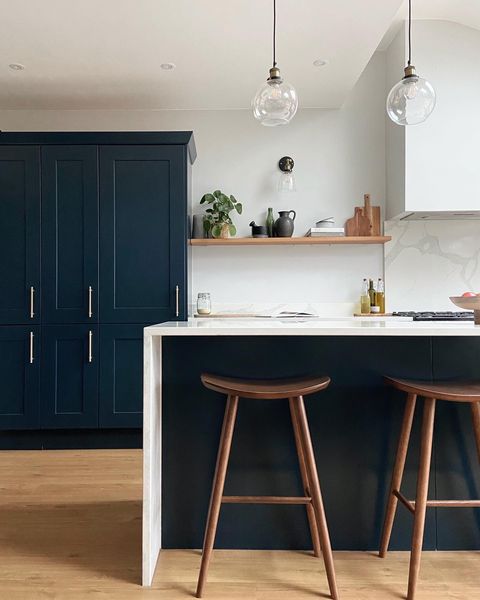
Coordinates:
[276,102]
[412,100]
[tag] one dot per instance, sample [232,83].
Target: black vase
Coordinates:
[284,225]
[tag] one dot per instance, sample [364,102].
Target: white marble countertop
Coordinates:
[348,326]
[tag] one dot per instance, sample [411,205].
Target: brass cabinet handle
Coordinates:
[90,346]
[32,301]
[177,307]
[90,311]
[32,357]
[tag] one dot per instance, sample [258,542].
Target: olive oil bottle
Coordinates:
[365,299]
[380,295]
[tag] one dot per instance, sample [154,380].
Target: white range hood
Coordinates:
[433,169]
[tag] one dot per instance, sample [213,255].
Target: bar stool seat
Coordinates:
[265,389]
[467,392]
[293,389]
[453,391]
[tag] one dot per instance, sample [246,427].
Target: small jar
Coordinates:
[204,304]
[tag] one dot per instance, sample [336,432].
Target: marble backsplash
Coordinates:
[428,261]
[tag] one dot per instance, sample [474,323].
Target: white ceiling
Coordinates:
[107,53]
[464,12]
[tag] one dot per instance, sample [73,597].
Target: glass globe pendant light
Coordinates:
[412,100]
[276,102]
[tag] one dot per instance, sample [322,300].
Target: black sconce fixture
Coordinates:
[286,183]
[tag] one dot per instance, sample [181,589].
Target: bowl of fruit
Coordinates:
[468,301]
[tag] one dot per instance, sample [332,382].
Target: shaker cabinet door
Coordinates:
[19,235]
[69,385]
[19,377]
[69,234]
[143,237]
[121,376]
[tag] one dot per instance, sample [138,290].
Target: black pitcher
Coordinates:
[284,224]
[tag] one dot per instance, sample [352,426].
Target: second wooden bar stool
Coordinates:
[450,391]
[294,390]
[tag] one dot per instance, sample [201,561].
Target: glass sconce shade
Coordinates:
[286,182]
[275,103]
[411,101]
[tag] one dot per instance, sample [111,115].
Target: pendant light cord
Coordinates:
[409,32]
[274,32]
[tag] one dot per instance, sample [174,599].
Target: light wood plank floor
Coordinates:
[70,529]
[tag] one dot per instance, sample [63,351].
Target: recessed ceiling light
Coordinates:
[16,66]
[320,62]
[167,66]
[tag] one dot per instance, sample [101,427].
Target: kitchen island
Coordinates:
[354,425]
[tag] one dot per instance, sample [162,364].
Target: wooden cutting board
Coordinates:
[358,224]
[373,214]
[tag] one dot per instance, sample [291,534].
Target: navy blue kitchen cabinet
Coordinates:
[19,235]
[143,236]
[121,375]
[94,234]
[69,379]
[69,234]
[19,377]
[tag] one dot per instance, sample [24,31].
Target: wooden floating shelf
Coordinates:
[292,241]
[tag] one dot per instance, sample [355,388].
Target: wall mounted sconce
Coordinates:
[286,183]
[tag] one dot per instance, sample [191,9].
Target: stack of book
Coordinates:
[323,231]
[325,227]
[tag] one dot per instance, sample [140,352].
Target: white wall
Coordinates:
[339,155]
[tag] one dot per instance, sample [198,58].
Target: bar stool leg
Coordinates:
[217,489]
[397,475]
[422,495]
[316,495]
[306,485]
[476,424]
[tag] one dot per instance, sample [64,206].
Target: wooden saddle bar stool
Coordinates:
[294,390]
[449,391]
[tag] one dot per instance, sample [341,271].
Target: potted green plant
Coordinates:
[217,222]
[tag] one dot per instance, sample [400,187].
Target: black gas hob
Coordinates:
[436,316]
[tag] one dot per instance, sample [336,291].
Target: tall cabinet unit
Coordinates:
[19,235]
[93,236]
[142,234]
[69,234]
[19,286]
